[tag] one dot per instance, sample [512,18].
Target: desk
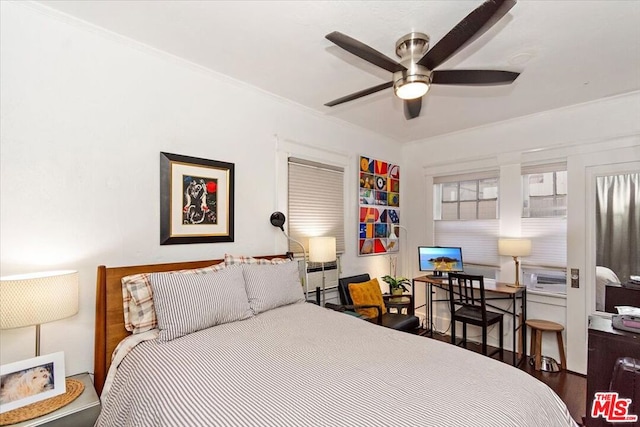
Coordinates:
[500,291]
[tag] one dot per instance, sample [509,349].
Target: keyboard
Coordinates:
[433,276]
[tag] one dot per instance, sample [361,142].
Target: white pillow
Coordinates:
[271,286]
[187,303]
[604,276]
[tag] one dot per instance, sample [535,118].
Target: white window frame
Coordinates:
[314,209]
[529,171]
[548,235]
[324,160]
[478,238]
[438,183]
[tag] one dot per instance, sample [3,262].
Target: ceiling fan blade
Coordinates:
[412,108]
[365,52]
[359,94]
[467,30]
[473,77]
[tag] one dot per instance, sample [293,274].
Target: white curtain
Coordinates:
[618,224]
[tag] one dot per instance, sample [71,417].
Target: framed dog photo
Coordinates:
[31,380]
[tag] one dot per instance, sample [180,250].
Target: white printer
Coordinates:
[627,319]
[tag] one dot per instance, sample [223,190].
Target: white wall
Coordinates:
[84,117]
[606,132]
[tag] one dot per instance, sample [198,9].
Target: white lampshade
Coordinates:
[33,299]
[514,247]
[322,249]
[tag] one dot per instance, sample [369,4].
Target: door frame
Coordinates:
[582,170]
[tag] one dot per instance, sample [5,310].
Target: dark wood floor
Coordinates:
[571,387]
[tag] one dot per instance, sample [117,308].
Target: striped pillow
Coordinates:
[271,286]
[187,303]
[137,298]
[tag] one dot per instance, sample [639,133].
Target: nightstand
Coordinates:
[82,412]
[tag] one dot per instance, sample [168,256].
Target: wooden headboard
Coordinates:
[110,328]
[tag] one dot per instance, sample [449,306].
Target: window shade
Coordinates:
[473,176]
[543,168]
[548,241]
[316,203]
[478,239]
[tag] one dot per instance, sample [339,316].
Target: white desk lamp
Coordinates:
[322,249]
[33,299]
[515,248]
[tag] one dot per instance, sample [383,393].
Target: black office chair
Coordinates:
[399,321]
[468,305]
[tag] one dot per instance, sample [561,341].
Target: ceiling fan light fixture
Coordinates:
[412,87]
[416,70]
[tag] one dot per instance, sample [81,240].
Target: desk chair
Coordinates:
[399,321]
[468,305]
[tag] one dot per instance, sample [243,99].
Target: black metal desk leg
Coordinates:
[524,325]
[430,299]
[515,330]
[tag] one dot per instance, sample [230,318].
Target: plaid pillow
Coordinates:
[137,298]
[239,259]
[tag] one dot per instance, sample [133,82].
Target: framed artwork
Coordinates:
[196,200]
[379,206]
[31,380]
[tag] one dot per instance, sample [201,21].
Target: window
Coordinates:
[316,204]
[544,212]
[466,212]
[469,199]
[544,191]
[548,241]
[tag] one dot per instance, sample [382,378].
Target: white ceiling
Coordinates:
[569,52]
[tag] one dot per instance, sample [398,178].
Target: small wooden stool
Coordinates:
[537,328]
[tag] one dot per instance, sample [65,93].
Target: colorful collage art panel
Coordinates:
[379,206]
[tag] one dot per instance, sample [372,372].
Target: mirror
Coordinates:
[617,240]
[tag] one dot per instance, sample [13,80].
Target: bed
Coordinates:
[290,363]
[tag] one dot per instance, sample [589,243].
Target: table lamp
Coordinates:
[33,299]
[515,248]
[322,249]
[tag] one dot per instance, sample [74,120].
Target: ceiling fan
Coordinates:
[415,72]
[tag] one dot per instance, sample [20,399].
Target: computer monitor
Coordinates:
[440,259]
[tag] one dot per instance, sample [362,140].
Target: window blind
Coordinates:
[472,176]
[478,239]
[543,168]
[547,224]
[548,241]
[316,203]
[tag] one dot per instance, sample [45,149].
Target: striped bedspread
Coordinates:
[302,365]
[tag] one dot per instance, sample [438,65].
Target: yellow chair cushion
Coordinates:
[367,293]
